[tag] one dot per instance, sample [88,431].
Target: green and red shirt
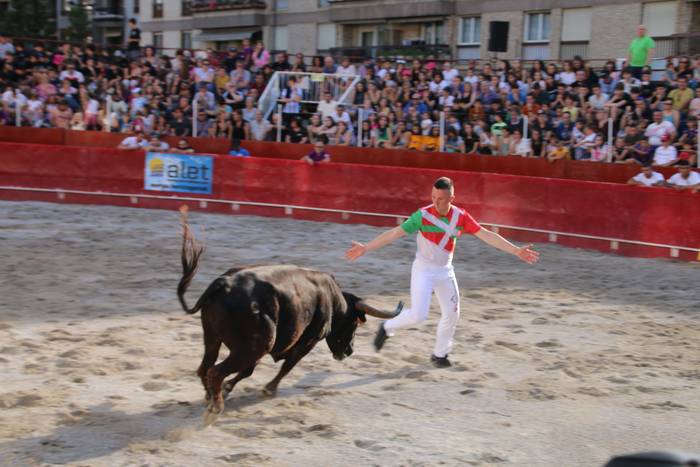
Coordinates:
[437,234]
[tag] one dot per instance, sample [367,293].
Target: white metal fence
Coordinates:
[311,85]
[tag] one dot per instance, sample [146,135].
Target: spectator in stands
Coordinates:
[260,56]
[454,142]
[583,147]
[344,135]
[558,151]
[519,146]
[681,96]
[665,155]
[656,130]
[640,51]
[647,177]
[685,179]
[291,96]
[327,106]
[346,68]
[432,141]
[259,128]
[137,141]
[237,150]
[61,115]
[155,144]
[182,147]
[341,115]
[318,155]
[6,47]
[133,42]
[295,133]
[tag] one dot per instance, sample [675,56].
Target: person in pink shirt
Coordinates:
[261,56]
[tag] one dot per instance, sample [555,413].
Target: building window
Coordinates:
[434,33]
[282,4]
[186,40]
[325,36]
[137,7]
[281,38]
[157,8]
[186,8]
[537,27]
[158,40]
[470,31]
[575,33]
[660,20]
[323,3]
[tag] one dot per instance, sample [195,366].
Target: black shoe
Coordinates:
[380,338]
[440,362]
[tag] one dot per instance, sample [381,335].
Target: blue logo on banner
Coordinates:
[178,172]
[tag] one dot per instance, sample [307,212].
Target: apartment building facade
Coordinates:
[537,29]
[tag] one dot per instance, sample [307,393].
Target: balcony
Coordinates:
[199,6]
[419,51]
[108,11]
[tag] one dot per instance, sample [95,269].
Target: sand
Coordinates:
[564,363]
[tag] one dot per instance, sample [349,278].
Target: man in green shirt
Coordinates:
[639,53]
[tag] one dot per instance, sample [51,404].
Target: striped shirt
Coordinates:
[437,234]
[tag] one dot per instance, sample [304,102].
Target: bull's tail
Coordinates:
[191,251]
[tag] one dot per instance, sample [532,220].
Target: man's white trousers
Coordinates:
[425,279]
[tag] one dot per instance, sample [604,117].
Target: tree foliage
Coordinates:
[79,23]
[29,18]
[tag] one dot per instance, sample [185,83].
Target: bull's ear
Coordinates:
[361,319]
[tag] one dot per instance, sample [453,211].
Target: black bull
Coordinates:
[281,310]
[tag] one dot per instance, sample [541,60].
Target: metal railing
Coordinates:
[438,51]
[311,85]
[214,5]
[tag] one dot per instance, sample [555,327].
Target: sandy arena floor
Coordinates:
[564,363]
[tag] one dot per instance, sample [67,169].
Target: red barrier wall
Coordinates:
[513,165]
[655,215]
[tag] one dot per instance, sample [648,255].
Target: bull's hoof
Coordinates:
[226,390]
[215,408]
[269,391]
[210,417]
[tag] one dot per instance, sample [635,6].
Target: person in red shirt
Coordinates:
[437,226]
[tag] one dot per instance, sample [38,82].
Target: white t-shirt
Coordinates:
[344,117]
[664,155]
[132,142]
[655,178]
[326,109]
[74,75]
[161,146]
[598,102]
[447,75]
[656,130]
[566,77]
[693,179]
[350,70]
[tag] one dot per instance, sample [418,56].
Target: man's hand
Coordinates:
[358,249]
[527,254]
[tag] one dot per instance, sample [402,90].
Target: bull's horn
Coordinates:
[365,308]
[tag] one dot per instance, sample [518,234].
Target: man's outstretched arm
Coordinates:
[358,249]
[525,253]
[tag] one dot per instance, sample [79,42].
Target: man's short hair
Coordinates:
[682,163]
[444,183]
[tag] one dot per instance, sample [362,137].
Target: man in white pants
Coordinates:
[438,226]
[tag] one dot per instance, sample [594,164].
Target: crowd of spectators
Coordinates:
[571,108]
